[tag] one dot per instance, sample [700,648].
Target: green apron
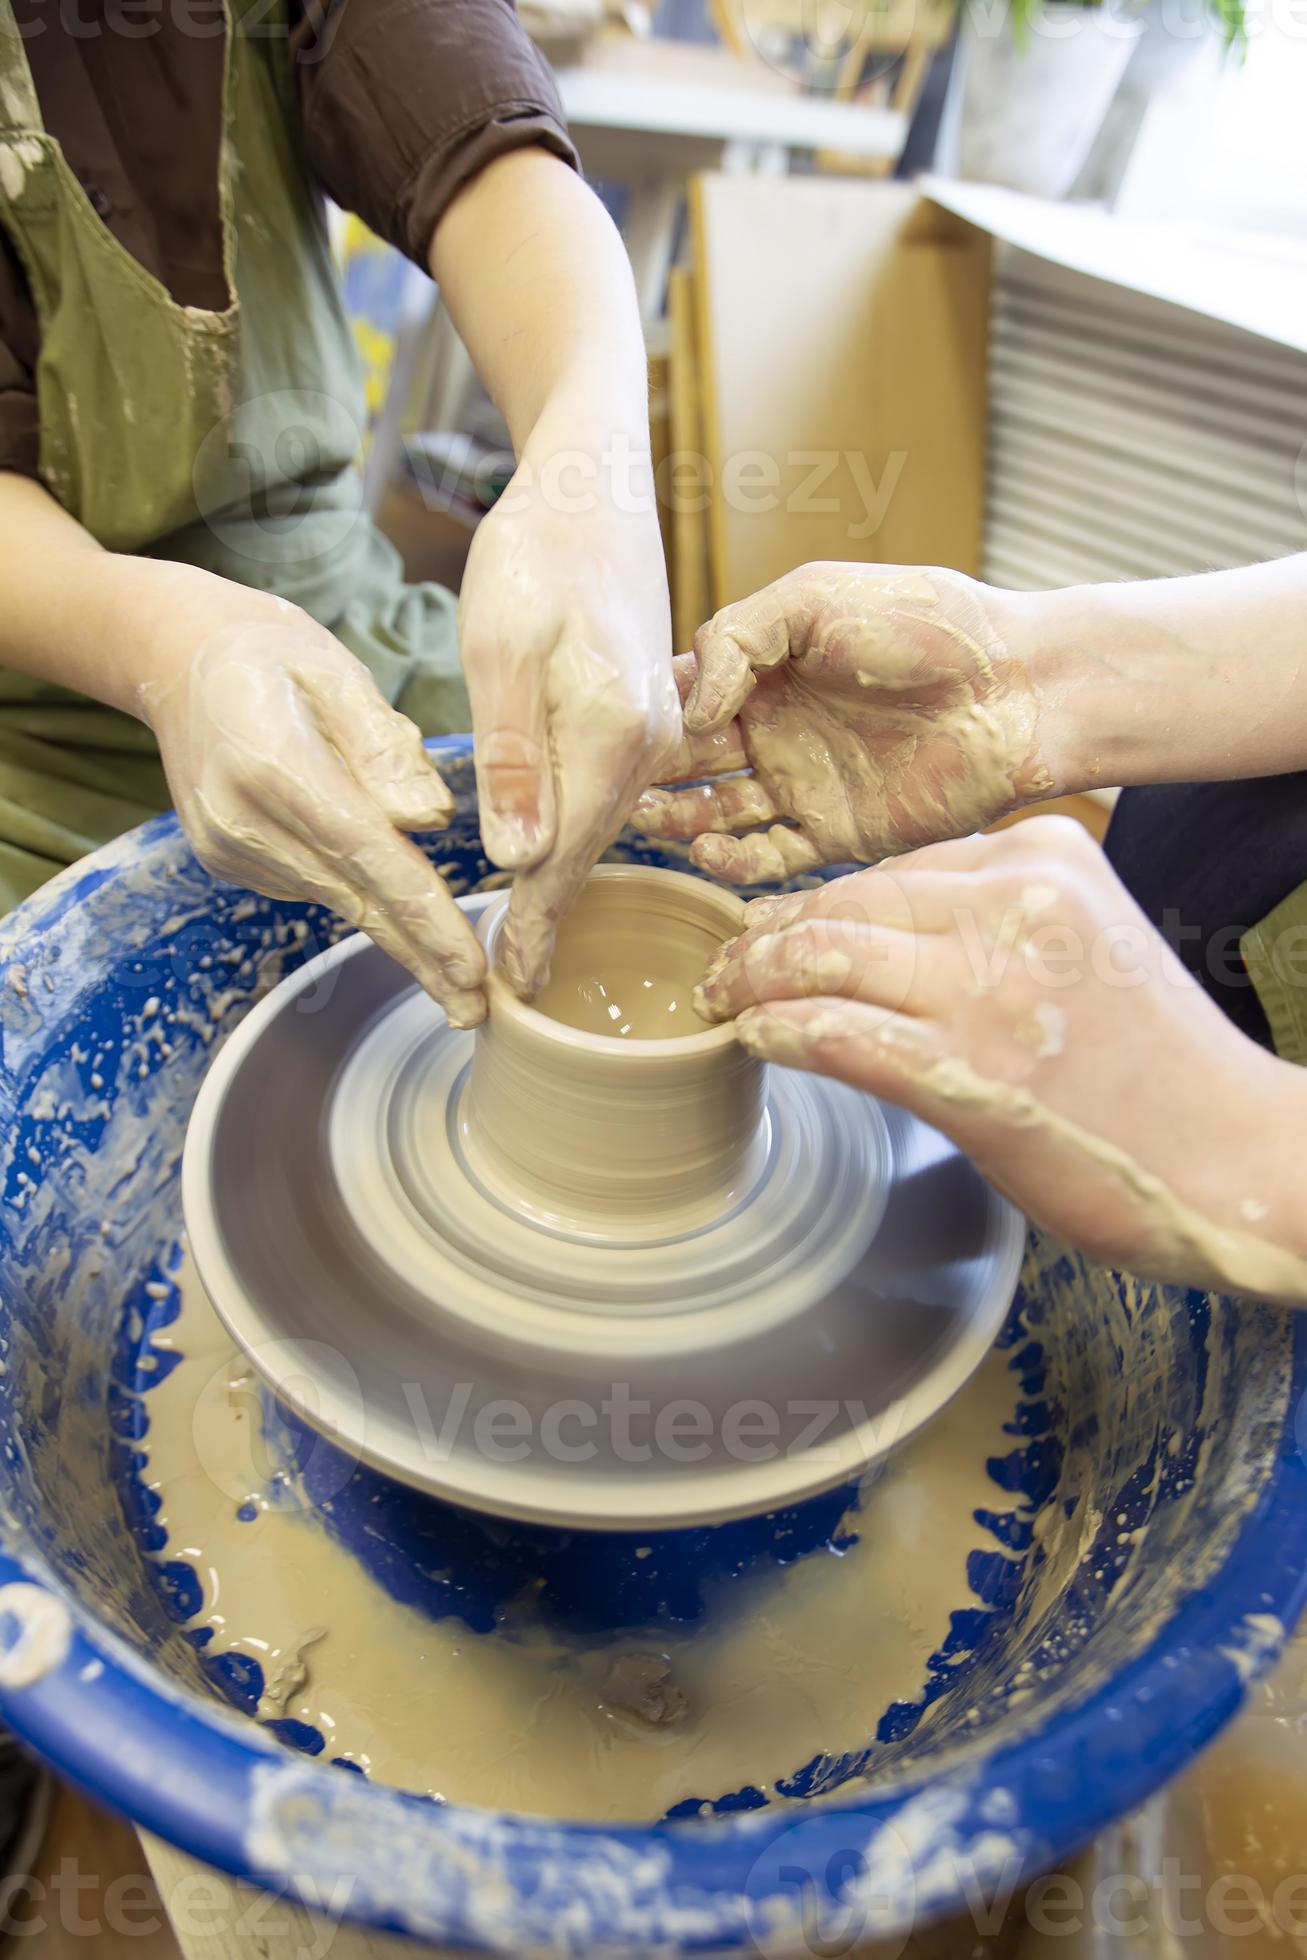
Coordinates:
[1275,954]
[228,440]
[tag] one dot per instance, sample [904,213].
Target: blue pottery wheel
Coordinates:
[1163,1427]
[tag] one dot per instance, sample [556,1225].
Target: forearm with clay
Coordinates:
[564,617]
[1007,988]
[877,708]
[1198,679]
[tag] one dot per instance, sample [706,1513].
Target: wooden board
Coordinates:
[90,1892]
[842,339]
[691,579]
[660,443]
[1092,808]
[868,24]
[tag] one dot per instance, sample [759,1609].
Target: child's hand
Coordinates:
[565,635]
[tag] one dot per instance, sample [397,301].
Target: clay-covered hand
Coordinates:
[565,633]
[1007,990]
[876,709]
[292,776]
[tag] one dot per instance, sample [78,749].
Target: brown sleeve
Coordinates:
[19,440]
[404,101]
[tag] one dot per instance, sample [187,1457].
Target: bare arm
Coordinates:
[66,606]
[1006,987]
[564,619]
[1198,679]
[539,286]
[878,708]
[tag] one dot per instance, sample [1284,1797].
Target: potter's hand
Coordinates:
[293,777]
[566,645]
[1008,991]
[876,708]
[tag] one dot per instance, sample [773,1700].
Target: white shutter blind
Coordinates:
[1132,439]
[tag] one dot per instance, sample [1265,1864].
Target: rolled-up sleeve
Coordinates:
[19,429]
[404,101]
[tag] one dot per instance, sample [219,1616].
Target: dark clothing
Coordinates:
[1208,861]
[401,103]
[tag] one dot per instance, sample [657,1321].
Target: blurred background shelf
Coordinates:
[1038,390]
